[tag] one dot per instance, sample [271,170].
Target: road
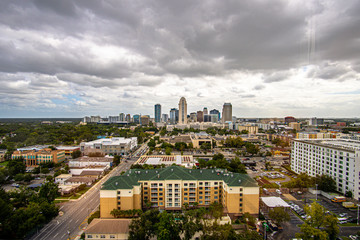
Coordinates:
[74,219]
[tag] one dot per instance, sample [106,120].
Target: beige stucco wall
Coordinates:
[106,206]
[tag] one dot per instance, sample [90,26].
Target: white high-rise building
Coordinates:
[182,111]
[338,158]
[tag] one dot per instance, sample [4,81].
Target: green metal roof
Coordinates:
[133,177]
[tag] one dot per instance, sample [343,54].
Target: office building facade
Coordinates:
[157,113]
[172,187]
[337,158]
[174,116]
[215,111]
[113,146]
[200,116]
[33,158]
[122,117]
[227,112]
[165,118]
[182,111]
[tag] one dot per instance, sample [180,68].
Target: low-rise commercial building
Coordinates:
[86,161]
[108,229]
[33,158]
[251,129]
[68,150]
[180,160]
[112,146]
[172,187]
[338,158]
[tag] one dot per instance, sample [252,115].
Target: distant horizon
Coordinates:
[188,115]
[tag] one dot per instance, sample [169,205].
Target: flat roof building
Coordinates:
[33,158]
[170,188]
[180,160]
[337,158]
[113,146]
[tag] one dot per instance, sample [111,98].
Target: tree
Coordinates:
[317,221]
[252,148]
[44,170]
[167,228]
[116,160]
[168,151]
[16,166]
[49,191]
[349,194]
[279,215]
[76,154]
[151,143]
[144,227]
[325,183]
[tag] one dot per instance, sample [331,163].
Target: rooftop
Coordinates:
[344,144]
[112,141]
[133,177]
[93,159]
[108,226]
[274,202]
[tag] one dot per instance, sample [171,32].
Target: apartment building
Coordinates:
[172,187]
[33,158]
[115,145]
[338,158]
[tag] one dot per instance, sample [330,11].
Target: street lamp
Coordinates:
[358,214]
[316,191]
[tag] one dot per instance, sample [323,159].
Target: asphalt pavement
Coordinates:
[75,213]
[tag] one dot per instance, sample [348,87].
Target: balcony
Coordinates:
[154,190]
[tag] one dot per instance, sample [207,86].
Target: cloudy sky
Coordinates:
[91,57]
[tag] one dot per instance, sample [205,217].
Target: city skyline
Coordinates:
[67,59]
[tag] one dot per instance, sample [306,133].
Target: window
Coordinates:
[112,236]
[185,184]
[89,236]
[102,236]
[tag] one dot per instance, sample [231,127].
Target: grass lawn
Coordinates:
[4,163]
[78,194]
[61,201]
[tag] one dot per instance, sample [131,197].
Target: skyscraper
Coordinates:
[157,113]
[215,111]
[200,116]
[182,111]
[128,117]
[227,112]
[165,117]
[174,116]
[205,111]
[122,117]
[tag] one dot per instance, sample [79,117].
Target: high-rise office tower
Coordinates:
[174,116]
[128,118]
[182,111]
[200,116]
[165,117]
[215,111]
[205,111]
[122,117]
[207,118]
[157,113]
[193,117]
[136,118]
[227,112]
